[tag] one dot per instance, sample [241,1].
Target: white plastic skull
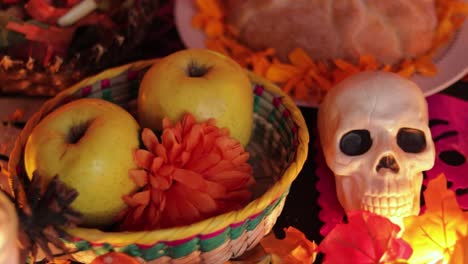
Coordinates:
[374,133]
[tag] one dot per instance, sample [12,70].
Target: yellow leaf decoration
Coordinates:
[434,234]
[460,253]
[294,248]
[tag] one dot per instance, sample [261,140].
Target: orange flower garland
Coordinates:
[195,172]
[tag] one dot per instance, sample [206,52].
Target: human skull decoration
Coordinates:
[375,136]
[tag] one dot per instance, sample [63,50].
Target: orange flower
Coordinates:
[195,172]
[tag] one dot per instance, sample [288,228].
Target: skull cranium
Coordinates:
[374,133]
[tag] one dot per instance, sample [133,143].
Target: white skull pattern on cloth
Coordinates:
[375,137]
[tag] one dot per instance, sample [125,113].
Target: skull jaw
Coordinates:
[351,196]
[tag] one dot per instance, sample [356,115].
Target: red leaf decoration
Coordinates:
[367,238]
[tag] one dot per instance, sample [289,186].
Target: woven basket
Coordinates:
[278,150]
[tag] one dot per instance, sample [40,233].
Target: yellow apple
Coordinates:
[89,144]
[202,82]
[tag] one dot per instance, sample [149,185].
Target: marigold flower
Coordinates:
[195,172]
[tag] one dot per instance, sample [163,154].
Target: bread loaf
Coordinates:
[327,29]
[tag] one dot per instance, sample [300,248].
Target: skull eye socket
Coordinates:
[356,142]
[411,140]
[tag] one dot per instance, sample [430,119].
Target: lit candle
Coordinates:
[79,11]
[9,252]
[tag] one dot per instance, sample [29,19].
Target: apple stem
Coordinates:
[197,70]
[77,132]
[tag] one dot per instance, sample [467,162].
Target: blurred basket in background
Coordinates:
[278,150]
[40,58]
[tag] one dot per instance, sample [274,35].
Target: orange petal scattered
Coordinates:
[194,172]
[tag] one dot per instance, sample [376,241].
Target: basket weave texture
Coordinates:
[278,150]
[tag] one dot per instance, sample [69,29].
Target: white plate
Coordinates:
[452,64]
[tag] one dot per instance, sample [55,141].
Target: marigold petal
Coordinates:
[143,158]
[160,151]
[233,152]
[215,190]
[202,201]
[189,178]
[368,63]
[130,201]
[211,7]
[214,28]
[178,210]
[168,138]
[232,179]
[166,170]
[300,58]
[240,159]
[171,212]
[138,213]
[204,163]
[142,197]
[159,182]
[281,73]
[139,177]
[149,139]
[193,137]
[184,158]
[425,66]
[188,121]
[156,164]
[346,66]
[166,123]
[223,165]
[175,152]
[199,20]
[157,197]
[226,143]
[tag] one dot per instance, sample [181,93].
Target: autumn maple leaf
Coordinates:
[366,238]
[460,253]
[434,234]
[295,248]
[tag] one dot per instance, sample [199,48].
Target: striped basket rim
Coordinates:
[203,228]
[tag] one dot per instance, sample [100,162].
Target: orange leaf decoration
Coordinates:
[115,258]
[433,235]
[367,238]
[195,172]
[295,248]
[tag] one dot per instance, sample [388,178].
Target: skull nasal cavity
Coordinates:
[388,162]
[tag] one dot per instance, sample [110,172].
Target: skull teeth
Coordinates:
[388,205]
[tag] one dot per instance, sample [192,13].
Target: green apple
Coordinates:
[89,144]
[202,82]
